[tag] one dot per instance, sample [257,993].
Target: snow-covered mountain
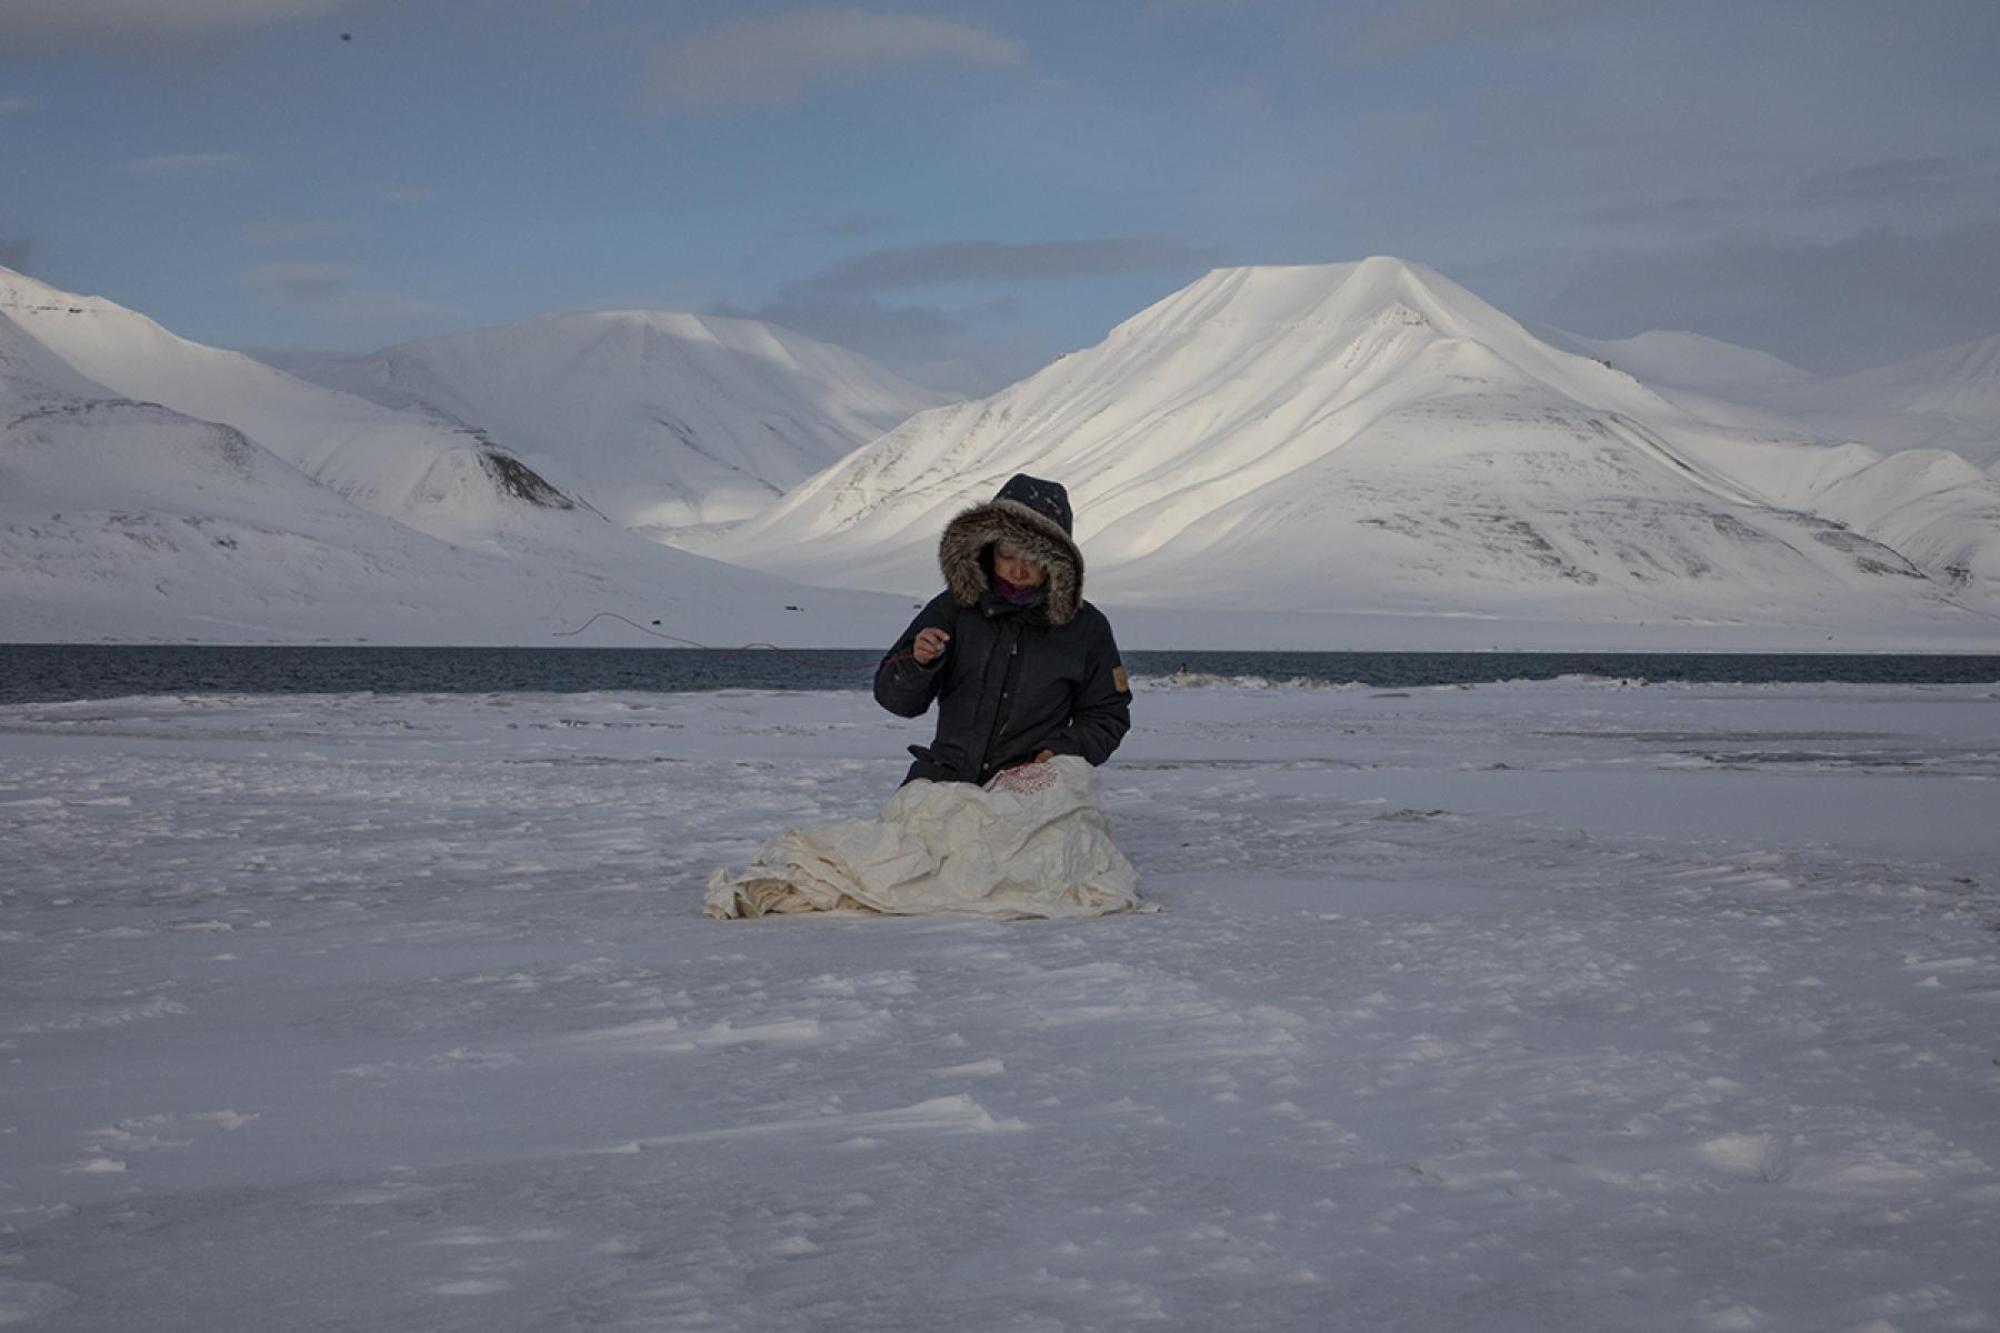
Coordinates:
[657,419]
[1264,455]
[126,519]
[1671,358]
[443,480]
[1944,399]
[32,377]
[1371,437]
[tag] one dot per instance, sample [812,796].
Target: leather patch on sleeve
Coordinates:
[1119,680]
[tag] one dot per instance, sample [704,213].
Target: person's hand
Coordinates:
[1045,756]
[929,646]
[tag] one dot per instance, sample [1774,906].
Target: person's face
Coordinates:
[1016,568]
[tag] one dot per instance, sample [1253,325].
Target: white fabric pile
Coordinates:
[1033,843]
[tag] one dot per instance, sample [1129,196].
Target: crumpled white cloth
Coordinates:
[1033,843]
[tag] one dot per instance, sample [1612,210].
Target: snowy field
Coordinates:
[1570,1006]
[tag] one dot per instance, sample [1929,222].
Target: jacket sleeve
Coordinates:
[903,685]
[1102,713]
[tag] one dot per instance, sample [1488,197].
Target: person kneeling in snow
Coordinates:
[999,816]
[1021,667]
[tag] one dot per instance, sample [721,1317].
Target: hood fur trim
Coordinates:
[1035,535]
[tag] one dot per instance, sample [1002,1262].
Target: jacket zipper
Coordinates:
[1001,707]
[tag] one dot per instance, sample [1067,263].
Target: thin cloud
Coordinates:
[16,252]
[378,307]
[1688,210]
[291,231]
[167,165]
[129,22]
[1890,178]
[19,106]
[964,348]
[890,333]
[328,291]
[935,346]
[1416,25]
[782,61]
[1896,181]
[848,228]
[301,282]
[980,261]
[1876,296]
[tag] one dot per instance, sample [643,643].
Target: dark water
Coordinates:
[46,673]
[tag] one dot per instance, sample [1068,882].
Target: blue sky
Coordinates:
[965,190]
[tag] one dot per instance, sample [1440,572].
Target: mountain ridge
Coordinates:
[658,418]
[125,518]
[1299,450]
[441,480]
[1380,423]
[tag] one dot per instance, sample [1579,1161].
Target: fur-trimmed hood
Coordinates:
[1038,536]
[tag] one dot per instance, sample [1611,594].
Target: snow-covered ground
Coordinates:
[1571,1005]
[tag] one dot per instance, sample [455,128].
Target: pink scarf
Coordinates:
[1018,596]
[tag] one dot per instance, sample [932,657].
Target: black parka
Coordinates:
[1014,680]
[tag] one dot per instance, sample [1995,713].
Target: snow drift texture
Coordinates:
[1032,844]
[1567,1005]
